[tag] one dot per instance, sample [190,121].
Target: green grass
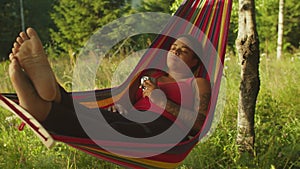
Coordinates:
[277,126]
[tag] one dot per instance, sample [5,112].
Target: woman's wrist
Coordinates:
[158,97]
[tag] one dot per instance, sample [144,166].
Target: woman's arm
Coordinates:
[203,92]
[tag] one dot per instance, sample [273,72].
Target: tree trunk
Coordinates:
[247,45]
[280,29]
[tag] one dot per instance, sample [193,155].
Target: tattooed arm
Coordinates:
[202,99]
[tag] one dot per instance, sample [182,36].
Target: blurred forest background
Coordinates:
[60,22]
[64,27]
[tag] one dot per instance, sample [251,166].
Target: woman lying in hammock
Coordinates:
[41,95]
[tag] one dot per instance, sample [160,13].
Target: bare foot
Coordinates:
[28,97]
[29,51]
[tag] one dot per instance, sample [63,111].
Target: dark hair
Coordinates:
[196,47]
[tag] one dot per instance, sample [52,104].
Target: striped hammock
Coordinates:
[206,20]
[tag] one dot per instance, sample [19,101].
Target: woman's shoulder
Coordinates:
[202,80]
[203,83]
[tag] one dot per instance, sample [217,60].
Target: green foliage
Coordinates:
[267,20]
[233,27]
[8,22]
[175,5]
[156,6]
[5,84]
[76,20]
[267,23]
[72,22]
[36,14]
[291,24]
[277,117]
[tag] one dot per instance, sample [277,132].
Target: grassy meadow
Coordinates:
[276,121]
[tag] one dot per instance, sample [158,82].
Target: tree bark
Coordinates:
[280,29]
[247,45]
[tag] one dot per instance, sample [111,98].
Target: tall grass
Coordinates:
[277,125]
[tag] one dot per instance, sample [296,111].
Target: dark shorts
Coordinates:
[63,120]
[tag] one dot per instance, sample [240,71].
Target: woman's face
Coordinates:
[180,49]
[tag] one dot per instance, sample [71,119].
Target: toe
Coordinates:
[31,33]
[19,40]
[23,36]
[11,57]
[16,45]
[14,51]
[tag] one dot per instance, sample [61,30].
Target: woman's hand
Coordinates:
[117,108]
[148,87]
